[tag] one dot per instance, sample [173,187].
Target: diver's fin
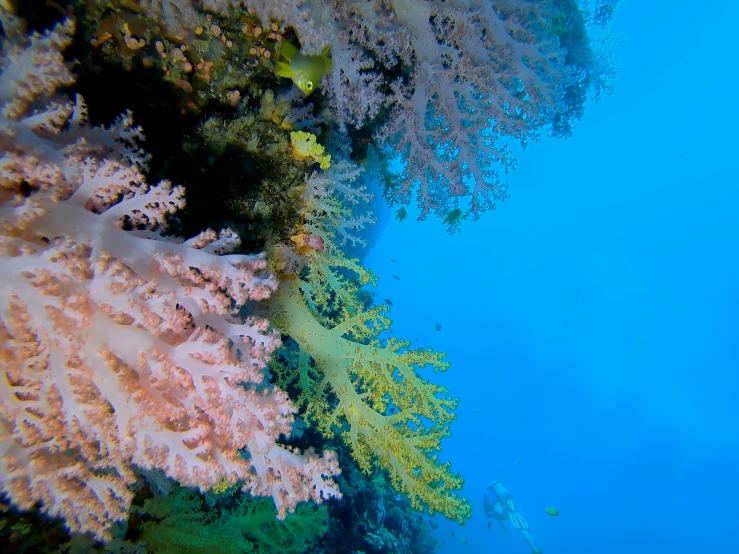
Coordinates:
[283,70]
[288,50]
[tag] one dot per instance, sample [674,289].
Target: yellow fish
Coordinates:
[306,71]
[552,511]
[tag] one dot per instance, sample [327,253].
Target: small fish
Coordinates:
[388,302]
[433,524]
[306,71]
[519,462]
[453,217]
[396,277]
[462,540]
[393,260]
[490,525]
[437,326]
[476,411]
[401,214]
[451,534]
[552,511]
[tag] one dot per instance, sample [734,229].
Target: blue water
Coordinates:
[592,318]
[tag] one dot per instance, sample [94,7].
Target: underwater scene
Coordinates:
[369,276]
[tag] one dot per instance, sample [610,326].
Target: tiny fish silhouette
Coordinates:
[437,326]
[396,277]
[388,302]
[393,260]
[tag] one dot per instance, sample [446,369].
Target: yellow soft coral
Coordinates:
[305,148]
[341,375]
[368,377]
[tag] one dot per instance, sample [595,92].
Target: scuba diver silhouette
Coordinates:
[499,504]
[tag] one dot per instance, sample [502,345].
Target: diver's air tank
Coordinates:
[495,499]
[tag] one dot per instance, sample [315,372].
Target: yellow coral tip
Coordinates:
[306,149]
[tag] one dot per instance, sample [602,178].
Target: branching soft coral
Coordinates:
[122,346]
[460,79]
[345,378]
[329,200]
[385,411]
[179,523]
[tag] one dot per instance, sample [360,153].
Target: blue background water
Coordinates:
[592,318]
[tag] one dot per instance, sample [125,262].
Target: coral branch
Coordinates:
[119,345]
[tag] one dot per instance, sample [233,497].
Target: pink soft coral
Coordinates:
[118,348]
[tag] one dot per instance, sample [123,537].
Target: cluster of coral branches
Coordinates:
[463,80]
[125,348]
[118,346]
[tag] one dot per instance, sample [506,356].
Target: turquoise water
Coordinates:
[591,319]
